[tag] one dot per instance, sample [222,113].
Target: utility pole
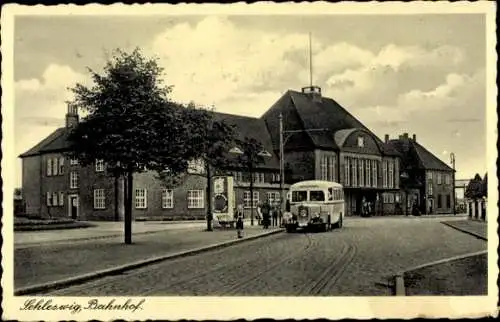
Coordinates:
[452,159]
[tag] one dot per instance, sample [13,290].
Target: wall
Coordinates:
[302,164]
[31,184]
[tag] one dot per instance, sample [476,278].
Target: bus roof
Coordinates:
[309,184]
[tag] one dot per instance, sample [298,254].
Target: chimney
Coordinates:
[71,116]
[386,138]
[414,137]
[405,136]
[313,92]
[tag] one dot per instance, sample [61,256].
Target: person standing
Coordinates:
[275,216]
[266,214]
[239,225]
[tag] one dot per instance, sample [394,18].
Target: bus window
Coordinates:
[330,194]
[317,195]
[299,196]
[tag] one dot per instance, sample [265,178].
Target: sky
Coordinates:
[419,74]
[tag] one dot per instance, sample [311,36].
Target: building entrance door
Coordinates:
[73,206]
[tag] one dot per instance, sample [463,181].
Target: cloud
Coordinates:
[40,104]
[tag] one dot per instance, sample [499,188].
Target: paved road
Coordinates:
[353,261]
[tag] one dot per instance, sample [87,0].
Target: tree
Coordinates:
[212,139]
[484,186]
[474,188]
[131,124]
[252,156]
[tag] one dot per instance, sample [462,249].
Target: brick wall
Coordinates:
[31,184]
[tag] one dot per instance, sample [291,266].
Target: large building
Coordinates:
[323,141]
[427,182]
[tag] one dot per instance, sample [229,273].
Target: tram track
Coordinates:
[221,268]
[235,288]
[332,273]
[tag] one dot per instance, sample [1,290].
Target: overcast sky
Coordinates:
[422,74]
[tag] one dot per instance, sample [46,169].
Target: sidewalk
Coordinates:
[102,229]
[49,262]
[476,228]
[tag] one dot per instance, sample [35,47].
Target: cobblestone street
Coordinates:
[356,260]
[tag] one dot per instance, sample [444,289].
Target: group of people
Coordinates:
[267,214]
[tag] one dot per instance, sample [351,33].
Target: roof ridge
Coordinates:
[432,155]
[44,142]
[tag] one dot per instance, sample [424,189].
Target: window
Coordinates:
[384,173]
[276,177]
[196,166]
[73,180]
[447,179]
[61,165]
[332,163]
[448,201]
[438,180]
[324,168]
[49,167]
[368,173]
[73,161]
[258,177]
[54,166]
[61,198]
[391,174]
[397,197]
[99,165]
[273,198]
[429,188]
[195,199]
[316,195]
[396,173]
[375,174]
[141,198]
[347,179]
[238,176]
[299,196]
[247,201]
[54,199]
[361,141]
[429,175]
[49,199]
[167,198]
[100,199]
[361,172]
[354,171]
[440,204]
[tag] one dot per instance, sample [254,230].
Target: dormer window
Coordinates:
[361,141]
[99,165]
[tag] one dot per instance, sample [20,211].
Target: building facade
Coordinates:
[322,141]
[428,183]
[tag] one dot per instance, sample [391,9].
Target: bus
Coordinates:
[315,204]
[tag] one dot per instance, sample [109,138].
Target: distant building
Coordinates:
[429,182]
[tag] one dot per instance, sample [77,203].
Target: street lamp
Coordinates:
[283,141]
[452,160]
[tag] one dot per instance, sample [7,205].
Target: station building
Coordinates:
[322,141]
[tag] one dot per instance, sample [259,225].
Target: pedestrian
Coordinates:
[266,214]
[275,216]
[239,226]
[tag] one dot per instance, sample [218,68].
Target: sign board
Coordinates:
[223,199]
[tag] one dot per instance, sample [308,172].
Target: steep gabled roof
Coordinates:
[54,141]
[255,128]
[321,114]
[416,156]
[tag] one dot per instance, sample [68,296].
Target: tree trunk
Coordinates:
[251,196]
[117,214]
[209,199]
[128,208]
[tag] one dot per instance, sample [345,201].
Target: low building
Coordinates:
[54,186]
[427,181]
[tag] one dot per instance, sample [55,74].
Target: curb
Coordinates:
[399,282]
[465,231]
[42,288]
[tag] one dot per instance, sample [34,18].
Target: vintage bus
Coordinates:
[315,204]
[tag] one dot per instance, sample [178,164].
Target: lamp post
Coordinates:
[282,143]
[404,176]
[452,160]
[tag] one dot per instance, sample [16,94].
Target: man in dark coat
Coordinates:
[266,214]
